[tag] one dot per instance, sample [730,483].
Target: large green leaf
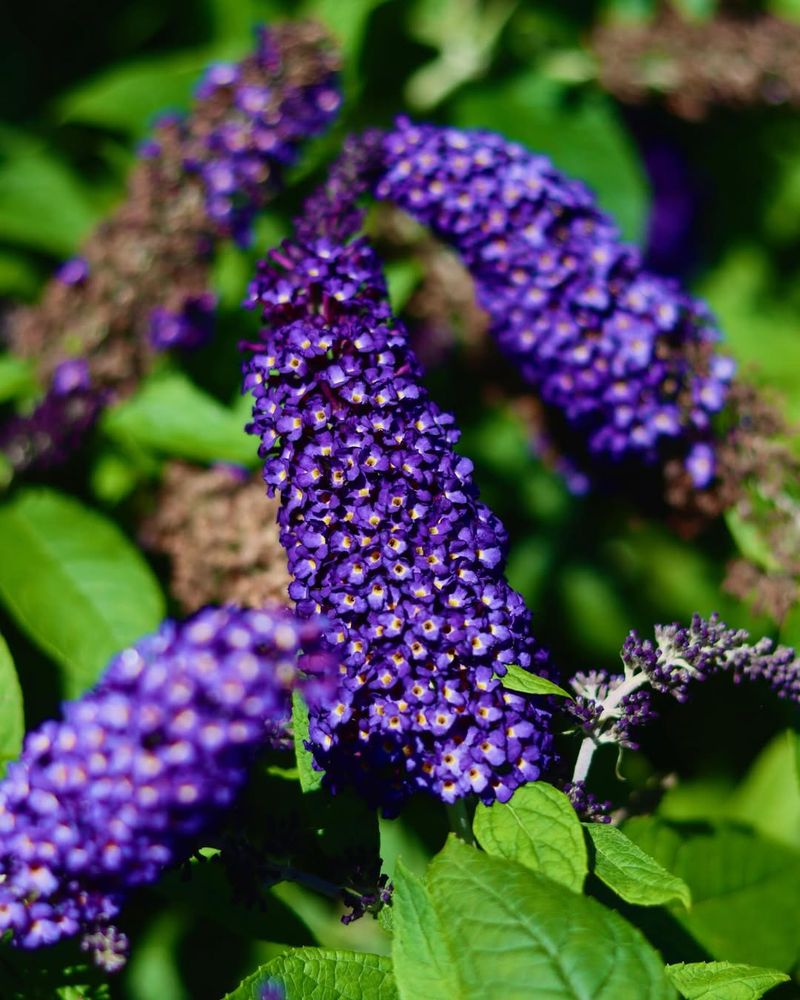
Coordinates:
[631,873]
[485,927]
[173,416]
[585,139]
[12,716]
[317,974]
[539,829]
[74,583]
[735,878]
[723,981]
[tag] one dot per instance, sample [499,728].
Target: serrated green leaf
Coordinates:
[16,377]
[310,780]
[735,877]
[518,679]
[12,715]
[317,974]
[632,874]
[723,981]
[171,415]
[585,139]
[74,583]
[538,828]
[423,965]
[493,928]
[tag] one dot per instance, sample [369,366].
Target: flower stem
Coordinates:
[459,821]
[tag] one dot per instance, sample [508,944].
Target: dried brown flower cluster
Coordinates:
[758,480]
[221,536]
[694,66]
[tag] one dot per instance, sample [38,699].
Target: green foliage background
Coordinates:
[79,84]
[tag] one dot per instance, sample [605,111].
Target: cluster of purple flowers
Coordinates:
[385,532]
[623,356]
[242,154]
[142,765]
[611,707]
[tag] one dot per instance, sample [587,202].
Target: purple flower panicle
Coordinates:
[385,533]
[623,356]
[140,767]
[241,155]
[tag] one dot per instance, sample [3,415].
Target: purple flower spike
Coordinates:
[385,532]
[141,767]
[624,356]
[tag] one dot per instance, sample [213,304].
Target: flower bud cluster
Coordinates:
[610,708]
[622,356]
[385,532]
[142,765]
[141,282]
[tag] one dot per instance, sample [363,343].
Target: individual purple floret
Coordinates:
[142,766]
[245,153]
[385,533]
[189,328]
[623,356]
[73,271]
[611,708]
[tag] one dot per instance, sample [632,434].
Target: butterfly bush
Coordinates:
[143,765]
[384,529]
[625,358]
[140,284]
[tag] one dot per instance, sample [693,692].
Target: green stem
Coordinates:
[458,818]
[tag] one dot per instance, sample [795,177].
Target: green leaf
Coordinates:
[518,679]
[16,377]
[735,877]
[423,965]
[323,975]
[128,97]
[74,583]
[751,541]
[347,19]
[41,203]
[310,780]
[538,828]
[585,139]
[723,981]
[768,797]
[632,874]
[485,927]
[12,715]
[170,414]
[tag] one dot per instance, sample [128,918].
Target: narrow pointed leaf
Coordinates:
[631,873]
[517,679]
[12,718]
